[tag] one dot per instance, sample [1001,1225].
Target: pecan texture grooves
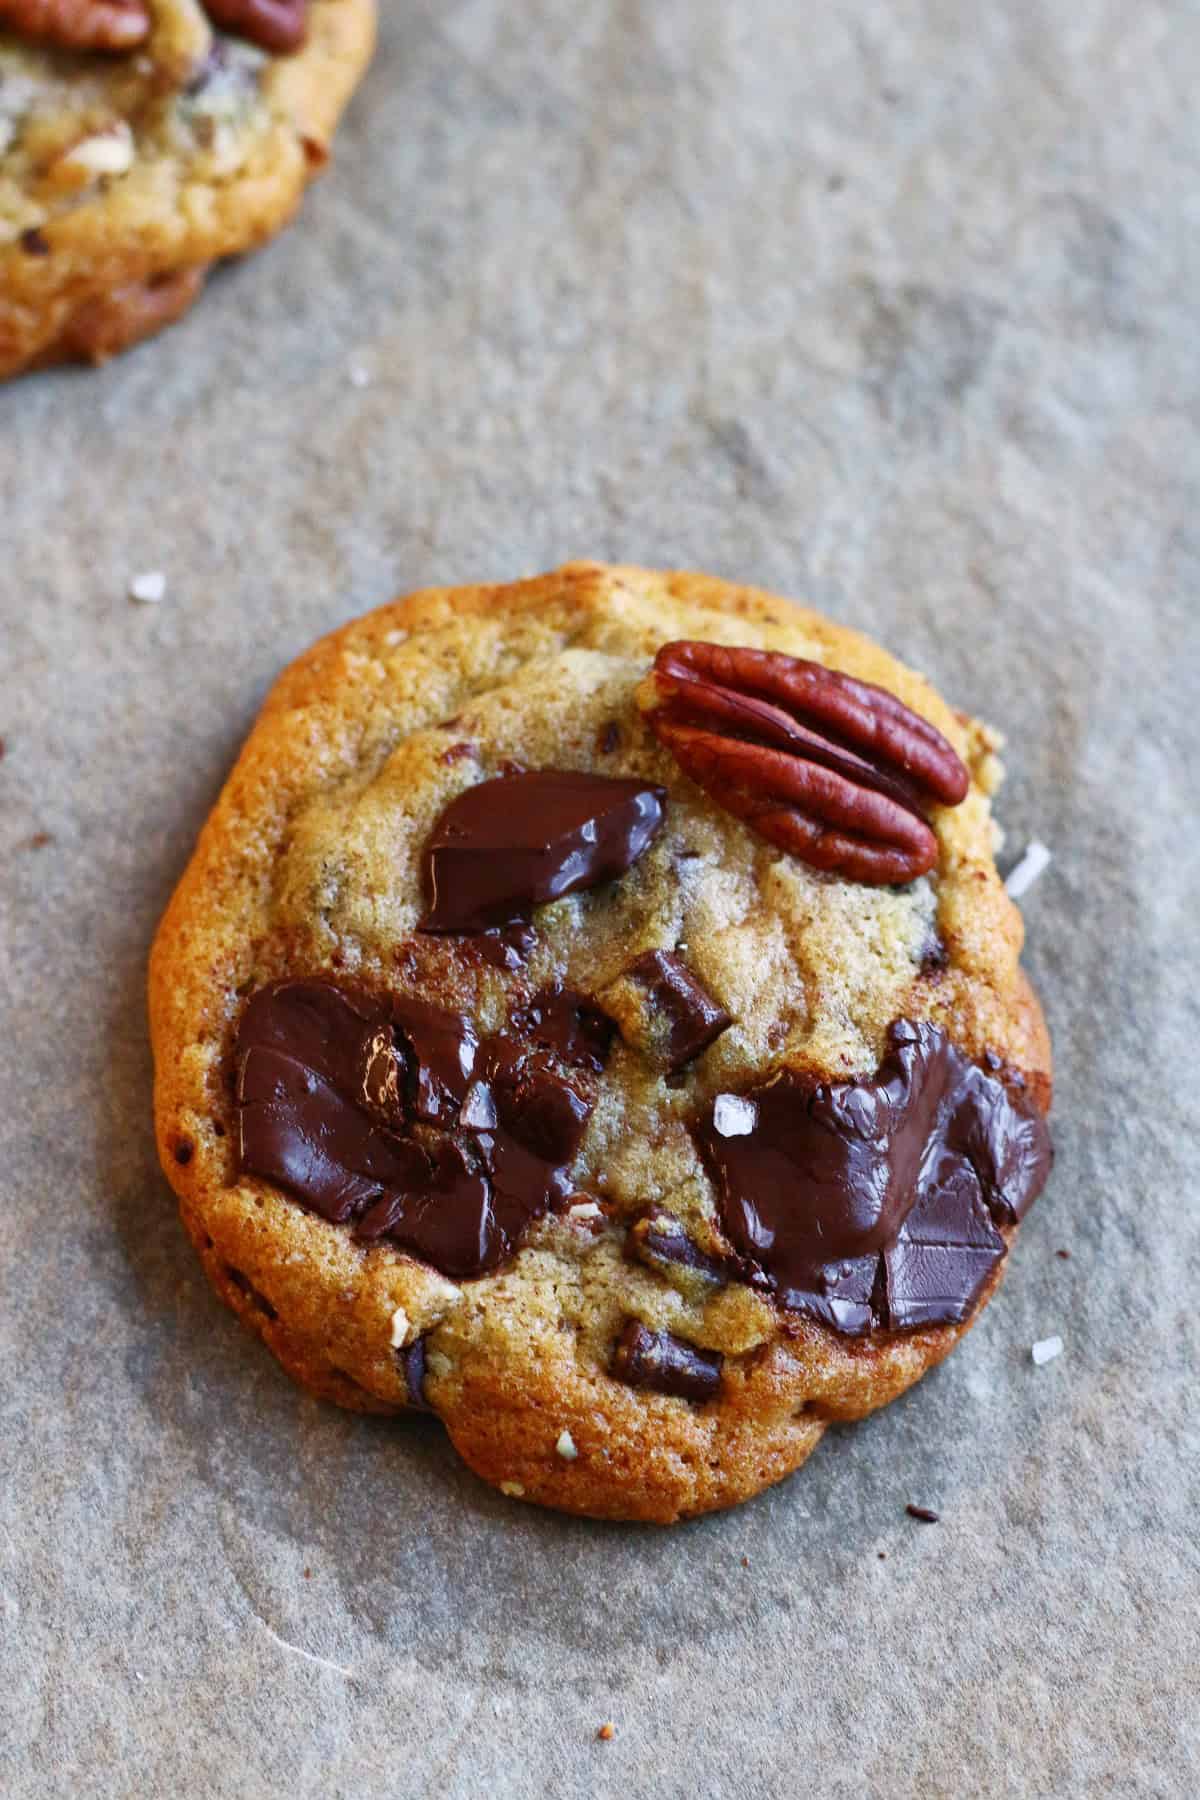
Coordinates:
[275,25]
[837,772]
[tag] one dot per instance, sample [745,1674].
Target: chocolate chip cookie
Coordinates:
[592,1015]
[143,140]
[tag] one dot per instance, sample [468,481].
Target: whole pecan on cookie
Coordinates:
[276,25]
[79,24]
[838,772]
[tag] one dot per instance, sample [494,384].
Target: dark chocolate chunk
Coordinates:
[506,845]
[508,949]
[245,1286]
[440,1050]
[936,959]
[412,1362]
[659,1240]
[34,242]
[391,1113]
[655,1359]
[562,1020]
[683,1018]
[925,1513]
[184,1150]
[876,1202]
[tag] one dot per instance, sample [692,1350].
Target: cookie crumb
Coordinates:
[1065,1255]
[925,1514]
[1033,864]
[745,1562]
[399,1328]
[607,1732]
[39,840]
[308,1574]
[1046,1349]
[149,587]
[882,1555]
[513,1489]
[566,1446]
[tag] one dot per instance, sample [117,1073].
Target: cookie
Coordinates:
[592,1015]
[143,140]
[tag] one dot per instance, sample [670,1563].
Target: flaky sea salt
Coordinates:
[399,1328]
[149,588]
[584,1209]
[734,1116]
[1033,864]
[566,1446]
[1046,1349]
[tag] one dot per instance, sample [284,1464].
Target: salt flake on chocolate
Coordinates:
[734,1115]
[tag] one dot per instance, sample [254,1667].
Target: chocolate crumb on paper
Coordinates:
[607,1732]
[925,1514]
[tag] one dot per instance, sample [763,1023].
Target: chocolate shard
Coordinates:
[875,1203]
[656,1359]
[412,1364]
[659,1240]
[664,1011]
[509,844]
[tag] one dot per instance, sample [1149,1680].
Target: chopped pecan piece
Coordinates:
[276,25]
[836,771]
[79,24]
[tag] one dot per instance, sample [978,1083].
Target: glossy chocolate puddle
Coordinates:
[865,1204]
[396,1115]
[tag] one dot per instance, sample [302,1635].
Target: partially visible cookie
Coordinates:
[143,140]
[592,1014]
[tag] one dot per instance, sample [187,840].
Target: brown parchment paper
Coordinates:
[890,305]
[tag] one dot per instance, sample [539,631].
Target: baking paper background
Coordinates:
[888,305]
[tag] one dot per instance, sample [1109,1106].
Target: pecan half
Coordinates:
[276,25]
[79,24]
[836,771]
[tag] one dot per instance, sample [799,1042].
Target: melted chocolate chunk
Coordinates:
[876,1202]
[507,845]
[655,1359]
[412,1362]
[659,1240]
[566,1022]
[684,1019]
[392,1113]
[506,949]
